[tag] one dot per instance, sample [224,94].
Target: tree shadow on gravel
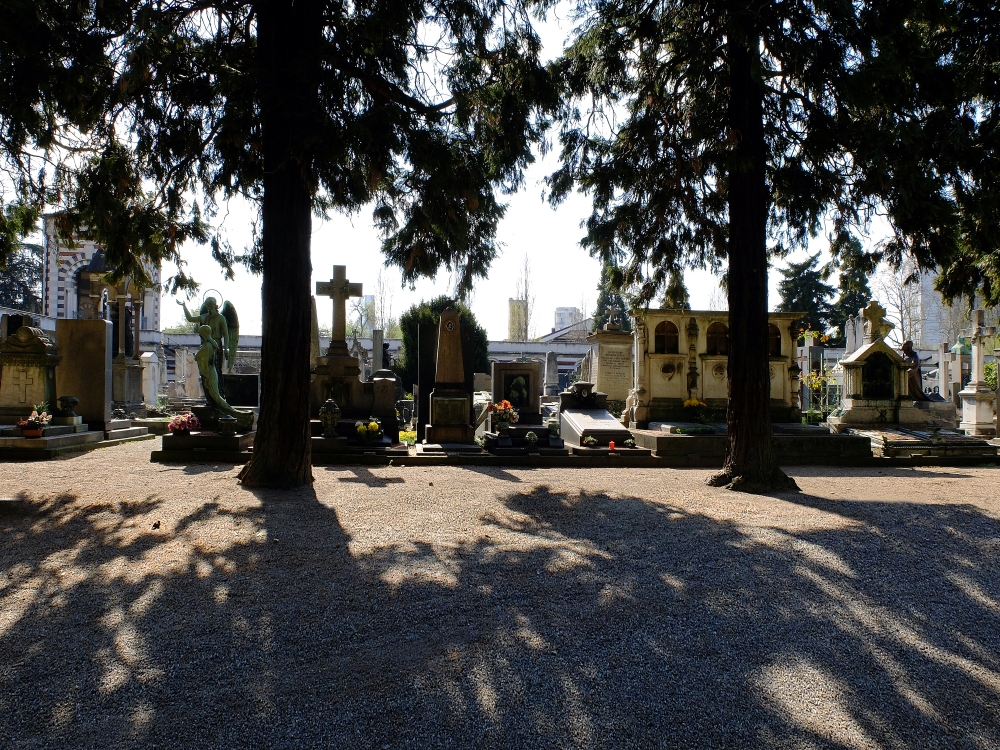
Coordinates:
[598,622]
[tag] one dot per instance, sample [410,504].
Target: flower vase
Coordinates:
[31,433]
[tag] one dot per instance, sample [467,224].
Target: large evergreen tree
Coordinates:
[21,279]
[706,132]
[430,312]
[608,296]
[424,109]
[675,296]
[803,289]
[855,267]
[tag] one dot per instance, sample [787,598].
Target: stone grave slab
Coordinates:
[578,424]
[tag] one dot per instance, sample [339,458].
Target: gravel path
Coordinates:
[144,605]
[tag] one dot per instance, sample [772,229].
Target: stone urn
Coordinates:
[553,428]
[67,406]
[329,416]
[227,425]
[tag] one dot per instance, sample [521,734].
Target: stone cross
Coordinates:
[980,332]
[22,379]
[339,289]
[876,326]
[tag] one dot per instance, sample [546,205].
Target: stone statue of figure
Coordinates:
[914,379]
[206,357]
[225,327]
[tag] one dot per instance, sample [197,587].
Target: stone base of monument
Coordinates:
[516,444]
[448,449]
[204,447]
[893,442]
[450,433]
[794,444]
[208,417]
[576,425]
[56,441]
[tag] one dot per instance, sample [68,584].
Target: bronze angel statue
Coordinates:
[225,330]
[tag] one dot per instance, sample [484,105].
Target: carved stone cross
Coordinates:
[339,289]
[22,379]
[876,326]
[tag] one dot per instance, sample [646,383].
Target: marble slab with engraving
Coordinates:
[577,424]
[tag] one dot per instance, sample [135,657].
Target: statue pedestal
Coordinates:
[977,410]
[337,376]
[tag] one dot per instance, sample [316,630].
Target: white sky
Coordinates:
[562,273]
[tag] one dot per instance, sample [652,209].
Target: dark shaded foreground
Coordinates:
[622,623]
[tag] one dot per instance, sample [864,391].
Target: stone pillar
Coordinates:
[944,381]
[551,374]
[137,315]
[977,397]
[122,328]
[150,377]
[376,350]
[180,363]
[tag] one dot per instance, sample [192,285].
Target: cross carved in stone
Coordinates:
[339,289]
[22,379]
[876,326]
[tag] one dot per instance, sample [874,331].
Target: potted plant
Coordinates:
[35,423]
[369,430]
[590,441]
[695,409]
[553,428]
[504,415]
[182,424]
[532,440]
[629,443]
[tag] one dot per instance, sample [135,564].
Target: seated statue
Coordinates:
[914,378]
[206,357]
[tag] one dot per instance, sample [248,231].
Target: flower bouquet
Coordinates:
[695,409]
[369,430]
[182,424]
[504,416]
[36,421]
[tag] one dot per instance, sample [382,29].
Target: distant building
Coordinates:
[72,287]
[567,316]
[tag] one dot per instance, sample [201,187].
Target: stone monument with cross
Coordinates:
[876,384]
[977,398]
[28,360]
[337,374]
[611,367]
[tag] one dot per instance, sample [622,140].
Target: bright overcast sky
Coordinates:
[562,273]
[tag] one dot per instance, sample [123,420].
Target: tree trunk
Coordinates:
[750,464]
[288,39]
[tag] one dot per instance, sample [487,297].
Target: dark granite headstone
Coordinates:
[427,370]
[242,389]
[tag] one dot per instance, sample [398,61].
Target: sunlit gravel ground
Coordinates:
[144,605]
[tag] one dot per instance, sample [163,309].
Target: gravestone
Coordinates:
[336,375]
[426,365]
[611,367]
[85,371]
[584,413]
[875,384]
[551,374]
[242,389]
[482,381]
[520,383]
[377,351]
[945,358]
[28,360]
[150,377]
[978,398]
[450,403]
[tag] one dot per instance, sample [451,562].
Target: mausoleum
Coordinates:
[684,354]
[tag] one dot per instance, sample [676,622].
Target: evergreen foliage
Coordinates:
[430,312]
[426,110]
[608,296]
[804,290]
[675,296]
[21,279]
[854,293]
[721,134]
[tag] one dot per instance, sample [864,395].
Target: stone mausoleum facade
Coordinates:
[71,287]
[684,354]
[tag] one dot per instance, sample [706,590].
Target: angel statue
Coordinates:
[225,327]
[207,357]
